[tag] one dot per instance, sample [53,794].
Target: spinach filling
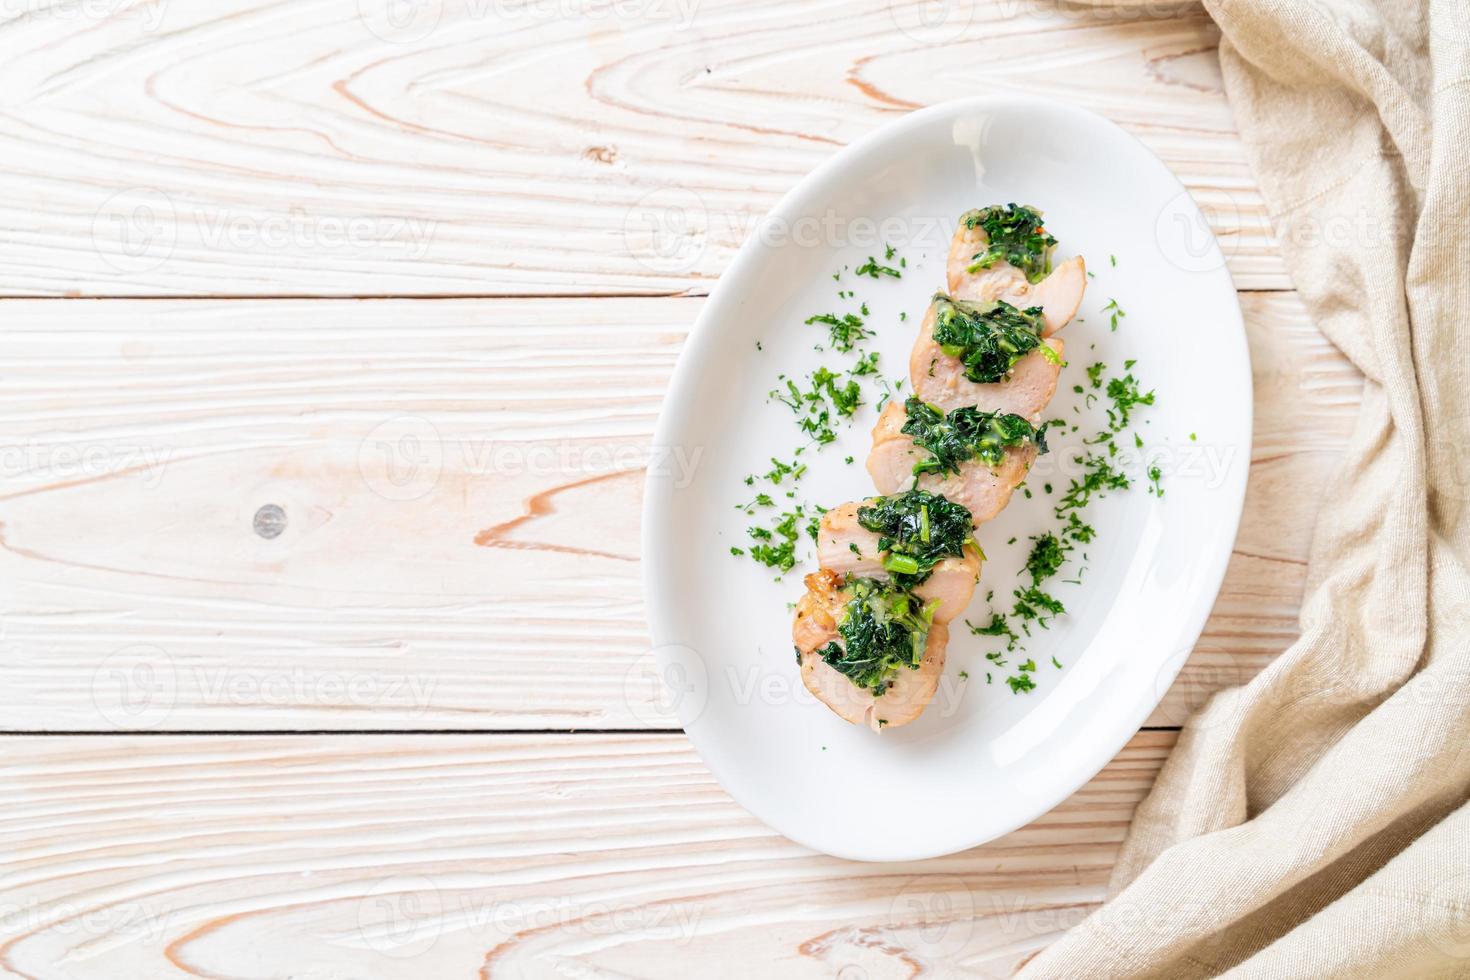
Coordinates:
[1016,236]
[883,630]
[988,338]
[916,530]
[965,434]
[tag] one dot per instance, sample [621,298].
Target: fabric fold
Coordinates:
[1313,823]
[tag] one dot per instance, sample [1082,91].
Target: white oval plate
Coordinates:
[981,761]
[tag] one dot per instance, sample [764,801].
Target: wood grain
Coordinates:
[346,515]
[505,147]
[460,510]
[505,856]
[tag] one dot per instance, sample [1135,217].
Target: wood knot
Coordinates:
[269,521]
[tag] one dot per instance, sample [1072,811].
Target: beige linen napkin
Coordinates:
[1313,824]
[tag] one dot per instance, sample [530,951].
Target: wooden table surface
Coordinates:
[300,677]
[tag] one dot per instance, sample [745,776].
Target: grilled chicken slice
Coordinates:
[977,487]
[952,580]
[845,548]
[940,379]
[1058,295]
[817,614]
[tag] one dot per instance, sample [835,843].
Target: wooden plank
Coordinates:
[523,147]
[528,856]
[458,511]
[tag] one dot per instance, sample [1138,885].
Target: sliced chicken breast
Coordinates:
[977,487]
[940,379]
[816,626]
[846,547]
[1059,294]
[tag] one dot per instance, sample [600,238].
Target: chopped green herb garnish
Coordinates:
[884,629]
[775,546]
[965,434]
[814,408]
[1021,683]
[1126,396]
[780,471]
[1098,476]
[843,331]
[999,626]
[1015,235]
[916,530]
[988,338]
[1046,558]
[1034,604]
[872,269]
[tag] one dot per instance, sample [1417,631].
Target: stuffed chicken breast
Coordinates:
[866,651]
